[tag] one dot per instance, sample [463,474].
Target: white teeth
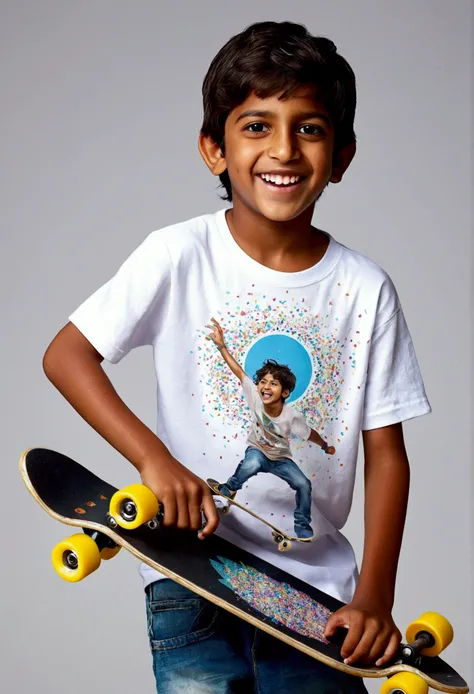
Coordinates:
[280,180]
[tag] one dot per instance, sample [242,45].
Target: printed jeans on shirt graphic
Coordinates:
[256,461]
[199,648]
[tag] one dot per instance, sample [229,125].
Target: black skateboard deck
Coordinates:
[230,577]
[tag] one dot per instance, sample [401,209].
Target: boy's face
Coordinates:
[293,137]
[271,390]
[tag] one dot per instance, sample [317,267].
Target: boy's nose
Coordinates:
[283,146]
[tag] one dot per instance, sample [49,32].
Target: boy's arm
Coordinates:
[372,634]
[217,336]
[314,437]
[232,363]
[73,365]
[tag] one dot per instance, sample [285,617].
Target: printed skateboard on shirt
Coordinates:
[282,538]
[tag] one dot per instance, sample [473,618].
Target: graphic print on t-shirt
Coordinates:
[264,358]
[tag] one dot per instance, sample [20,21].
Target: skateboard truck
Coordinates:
[411,652]
[101,540]
[152,524]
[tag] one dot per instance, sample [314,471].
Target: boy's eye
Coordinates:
[253,125]
[316,129]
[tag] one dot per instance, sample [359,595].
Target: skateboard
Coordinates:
[254,590]
[283,539]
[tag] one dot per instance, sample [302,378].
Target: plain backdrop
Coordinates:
[100,113]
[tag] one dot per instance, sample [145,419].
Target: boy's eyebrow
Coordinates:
[266,114]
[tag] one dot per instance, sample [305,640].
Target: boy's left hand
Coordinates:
[372,636]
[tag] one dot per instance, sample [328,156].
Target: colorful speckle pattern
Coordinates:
[248,319]
[276,600]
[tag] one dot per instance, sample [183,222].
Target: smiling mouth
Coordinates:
[281,182]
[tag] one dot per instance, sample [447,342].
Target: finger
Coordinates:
[194,508]
[335,622]
[354,635]
[390,651]
[363,647]
[183,511]
[170,511]
[210,512]
[379,645]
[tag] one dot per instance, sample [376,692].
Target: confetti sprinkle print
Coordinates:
[276,600]
[248,319]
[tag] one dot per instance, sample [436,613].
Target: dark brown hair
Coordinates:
[272,57]
[280,372]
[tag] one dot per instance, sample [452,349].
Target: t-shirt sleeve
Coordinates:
[128,310]
[394,388]
[250,391]
[300,427]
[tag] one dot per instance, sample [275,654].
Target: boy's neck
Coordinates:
[290,246]
[274,410]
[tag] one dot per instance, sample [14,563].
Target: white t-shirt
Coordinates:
[338,326]
[271,434]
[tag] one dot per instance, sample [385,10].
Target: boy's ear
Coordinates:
[342,161]
[212,154]
[285,393]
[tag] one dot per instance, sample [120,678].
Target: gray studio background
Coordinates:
[101,107]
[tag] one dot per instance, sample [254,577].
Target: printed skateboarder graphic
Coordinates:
[273,421]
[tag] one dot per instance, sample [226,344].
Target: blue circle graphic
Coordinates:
[284,350]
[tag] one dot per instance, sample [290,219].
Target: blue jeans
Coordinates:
[256,461]
[199,648]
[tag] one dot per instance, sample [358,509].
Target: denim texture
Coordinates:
[198,648]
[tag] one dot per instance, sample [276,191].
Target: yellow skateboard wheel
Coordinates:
[133,506]
[405,683]
[76,557]
[109,552]
[437,626]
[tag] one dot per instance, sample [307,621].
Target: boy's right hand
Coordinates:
[182,495]
[217,334]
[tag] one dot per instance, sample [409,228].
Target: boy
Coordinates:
[279,108]
[273,422]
